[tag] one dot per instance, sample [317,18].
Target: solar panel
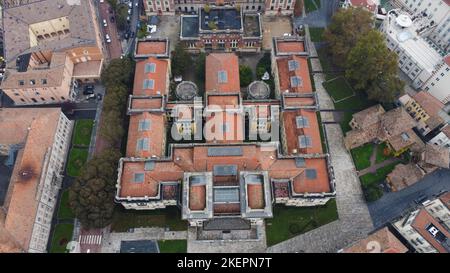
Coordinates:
[225,195]
[293,65]
[311,173]
[300,162]
[139,177]
[296,81]
[304,141]
[224,170]
[302,122]
[225,151]
[222,76]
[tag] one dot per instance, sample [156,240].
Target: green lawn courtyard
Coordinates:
[338,88]
[292,221]
[361,156]
[172,246]
[64,211]
[82,132]
[77,159]
[61,236]
[370,182]
[169,217]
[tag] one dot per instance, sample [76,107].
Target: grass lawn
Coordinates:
[381,156]
[169,217]
[361,156]
[291,221]
[64,211]
[309,5]
[316,34]
[379,176]
[82,132]
[61,236]
[77,159]
[172,246]
[338,88]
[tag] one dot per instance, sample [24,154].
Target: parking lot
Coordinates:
[86,96]
[392,204]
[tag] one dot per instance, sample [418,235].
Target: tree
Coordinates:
[119,71]
[113,4]
[346,28]
[370,66]
[121,16]
[200,66]
[181,60]
[91,197]
[245,75]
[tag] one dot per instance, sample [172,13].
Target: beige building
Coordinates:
[37,140]
[50,50]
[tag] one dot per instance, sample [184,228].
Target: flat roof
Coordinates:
[139,246]
[189,26]
[223,19]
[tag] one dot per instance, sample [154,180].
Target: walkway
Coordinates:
[354,220]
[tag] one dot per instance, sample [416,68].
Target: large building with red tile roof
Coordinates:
[37,140]
[200,156]
[381,241]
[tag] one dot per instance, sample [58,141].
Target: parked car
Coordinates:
[108,39]
[88,89]
[137,4]
[99,97]
[130,11]
[127,35]
[420,199]
[111,19]
[89,97]
[130,4]
[105,24]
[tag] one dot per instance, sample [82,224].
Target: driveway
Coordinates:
[392,204]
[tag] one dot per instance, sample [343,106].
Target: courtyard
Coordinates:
[274,26]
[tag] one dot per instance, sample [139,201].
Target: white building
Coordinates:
[438,208]
[417,58]
[442,139]
[438,13]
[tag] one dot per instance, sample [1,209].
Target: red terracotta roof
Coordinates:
[151,47]
[429,103]
[293,133]
[421,222]
[197,197]
[382,241]
[159,77]
[286,76]
[229,64]
[155,135]
[290,46]
[255,196]
[447,58]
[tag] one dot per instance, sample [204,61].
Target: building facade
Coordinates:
[47,56]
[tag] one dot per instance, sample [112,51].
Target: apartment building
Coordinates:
[438,15]
[35,141]
[221,29]
[223,179]
[170,7]
[50,50]
[418,60]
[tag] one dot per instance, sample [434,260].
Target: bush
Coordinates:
[245,75]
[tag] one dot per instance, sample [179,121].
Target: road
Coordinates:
[114,48]
[133,26]
[392,204]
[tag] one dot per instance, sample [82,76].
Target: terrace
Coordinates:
[228,19]
[252,25]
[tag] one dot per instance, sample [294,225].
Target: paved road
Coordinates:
[320,17]
[133,26]
[392,204]
[114,48]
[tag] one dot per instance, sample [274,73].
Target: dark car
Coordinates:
[420,199]
[127,35]
[111,19]
[88,90]
[99,96]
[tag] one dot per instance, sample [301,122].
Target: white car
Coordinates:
[129,11]
[104,23]
[130,4]
[137,4]
[108,39]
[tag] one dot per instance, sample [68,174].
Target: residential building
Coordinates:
[423,232]
[170,7]
[439,208]
[222,180]
[442,139]
[221,29]
[438,14]
[48,55]
[424,65]
[37,140]
[381,241]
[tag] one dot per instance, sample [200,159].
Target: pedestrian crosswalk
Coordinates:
[90,239]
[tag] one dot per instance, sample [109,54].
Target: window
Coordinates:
[222,76]
[302,122]
[148,84]
[304,141]
[144,125]
[21,82]
[44,81]
[311,173]
[142,144]
[150,67]
[139,177]
[296,81]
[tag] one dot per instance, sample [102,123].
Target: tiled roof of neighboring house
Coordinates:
[151,47]
[307,132]
[146,134]
[437,156]
[318,182]
[81,26]
[87,69]
[404,140]
[369,116]
[404,176]
[293,73]
[421,223]
[255,196]
[290,46]
[395,122]
[382,241]
[429,103]
[358,137]
[368,4]
[39,139]
[151,77]
[222,73]
[197,197]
